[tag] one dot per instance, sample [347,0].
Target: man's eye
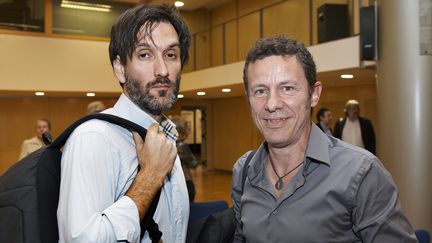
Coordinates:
[260,92]
[172,56]
[287,89]
[144,55]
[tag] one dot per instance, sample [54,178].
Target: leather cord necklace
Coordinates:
[279,183]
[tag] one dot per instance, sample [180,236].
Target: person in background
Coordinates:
[324,117]
[110,176]
[355,129]
[187,158]
[95,107]
[30,145]
[302,185]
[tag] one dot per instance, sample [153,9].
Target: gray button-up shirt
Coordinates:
[343,194]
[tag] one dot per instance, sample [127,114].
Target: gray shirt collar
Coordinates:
[317,151]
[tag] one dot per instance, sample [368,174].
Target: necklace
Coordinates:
[279,183]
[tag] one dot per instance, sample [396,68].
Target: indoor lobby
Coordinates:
[379,52]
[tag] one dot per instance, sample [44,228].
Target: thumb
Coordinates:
[138,139]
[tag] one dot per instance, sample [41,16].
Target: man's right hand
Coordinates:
[157,154]
[156,157]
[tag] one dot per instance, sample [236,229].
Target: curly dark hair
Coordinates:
[281,46]
[125,30]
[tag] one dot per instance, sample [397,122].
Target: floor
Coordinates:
[212,185]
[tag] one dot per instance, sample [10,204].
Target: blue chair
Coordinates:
[422,236]
[203,209]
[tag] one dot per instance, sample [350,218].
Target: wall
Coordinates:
[18,116]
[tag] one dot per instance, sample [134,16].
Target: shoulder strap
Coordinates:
[61,140]
[147,224]
[245,168]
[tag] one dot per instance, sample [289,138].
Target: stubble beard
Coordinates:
[145,101]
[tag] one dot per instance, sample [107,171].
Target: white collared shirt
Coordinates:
[98,165]
[352,134]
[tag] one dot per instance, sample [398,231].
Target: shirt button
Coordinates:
[275,211]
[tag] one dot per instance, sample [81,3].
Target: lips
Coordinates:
[275,122]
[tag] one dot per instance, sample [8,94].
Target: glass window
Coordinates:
[88,18]
[26,15]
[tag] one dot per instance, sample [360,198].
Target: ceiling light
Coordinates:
[347,76]
[201,93]
[39,93]
[91,94]
[178,4]
[85,6]
[226,90]
[180,96]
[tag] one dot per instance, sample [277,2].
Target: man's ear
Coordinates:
[316,93]
[119,70]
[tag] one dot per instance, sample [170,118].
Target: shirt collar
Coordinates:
[316,151]
[125,108]
[318,144]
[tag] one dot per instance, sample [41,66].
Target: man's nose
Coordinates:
[274,101]
[160,67]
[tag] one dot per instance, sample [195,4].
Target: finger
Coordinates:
[137,138]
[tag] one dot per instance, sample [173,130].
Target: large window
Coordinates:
[25,15]
[87,18]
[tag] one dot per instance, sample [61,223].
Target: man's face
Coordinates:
[279,99]
[41,128]
[152,76]
[353,112]
[327,118]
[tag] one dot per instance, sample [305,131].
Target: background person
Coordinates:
[355,129]
[324,118]
[30,145]
[187,158]
[95,107]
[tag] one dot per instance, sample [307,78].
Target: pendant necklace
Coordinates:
[279,183]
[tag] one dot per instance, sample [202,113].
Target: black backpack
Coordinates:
[29,191]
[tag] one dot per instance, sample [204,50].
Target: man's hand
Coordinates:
[156,157]
[157,154]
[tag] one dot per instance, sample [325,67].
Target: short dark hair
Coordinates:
[281,46]
[125,30]
[321,113]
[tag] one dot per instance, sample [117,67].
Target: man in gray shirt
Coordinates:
[301,185]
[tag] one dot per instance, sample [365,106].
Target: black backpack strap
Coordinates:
[147,224]
[245,168]
[61,140]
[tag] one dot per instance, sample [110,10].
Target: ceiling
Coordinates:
[190,5]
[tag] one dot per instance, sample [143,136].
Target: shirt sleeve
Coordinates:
[236,194]
[377,214]
[89,209]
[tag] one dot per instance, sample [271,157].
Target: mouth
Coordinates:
[275,122]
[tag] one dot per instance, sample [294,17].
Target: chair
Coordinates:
[422,236]
[203,209]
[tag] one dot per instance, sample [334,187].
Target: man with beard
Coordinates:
[302,185]
[109,175]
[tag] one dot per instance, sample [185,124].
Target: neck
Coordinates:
[287,157]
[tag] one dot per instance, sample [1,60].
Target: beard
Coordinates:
[145,101]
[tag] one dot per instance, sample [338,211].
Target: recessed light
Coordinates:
[91,94]
[178,4]
[180,96]
[201,93]
[226,90]
[39,93]
[347,76]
